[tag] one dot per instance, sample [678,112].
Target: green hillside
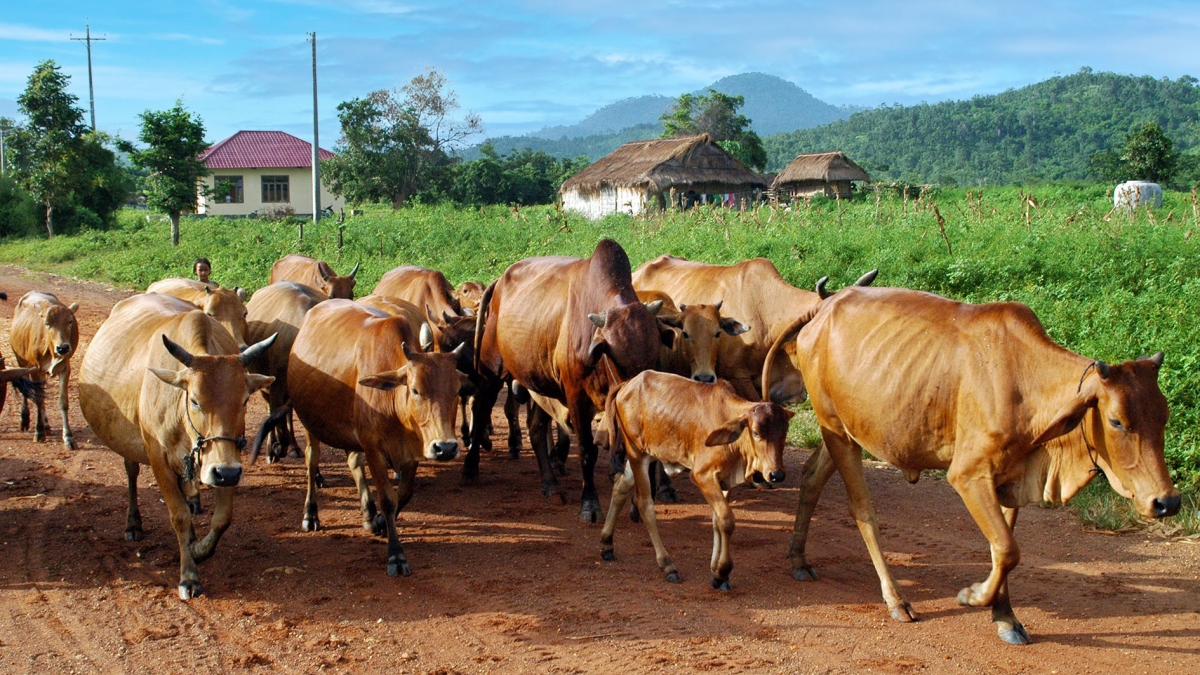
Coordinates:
[1046,131]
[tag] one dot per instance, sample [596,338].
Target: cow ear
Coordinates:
[672,320]
[174,378]
[598,348]
[75,305]
[256,382]
[667,335]
[241,293]
[789,413]
[733,326]
[1066,419]
[386,381]
[727,434]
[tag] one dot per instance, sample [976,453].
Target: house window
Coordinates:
[275,190]
[228,190]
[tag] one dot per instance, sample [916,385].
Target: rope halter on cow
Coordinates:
[1102,369]
[192,459]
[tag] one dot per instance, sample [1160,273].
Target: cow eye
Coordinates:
[686,336]
[416,393]
[195,404]
[717,334]
[756,436]
[1116,424]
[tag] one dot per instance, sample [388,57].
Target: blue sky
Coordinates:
[527,64]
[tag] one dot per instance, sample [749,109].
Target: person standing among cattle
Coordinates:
[981,391]
[45,335]
[722,438]
[202,268]
[568,330]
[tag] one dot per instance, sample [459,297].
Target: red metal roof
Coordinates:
[260,150]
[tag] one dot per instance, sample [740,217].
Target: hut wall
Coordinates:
[596,205]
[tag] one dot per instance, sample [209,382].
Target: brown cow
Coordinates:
[430,291]
[469,293]
[44,335]
[924,382]
[226,305]
[314,274]
[755,293]
[356,385]
[187,424]
[699,331]
[279,310]
[691,425]
[566,329]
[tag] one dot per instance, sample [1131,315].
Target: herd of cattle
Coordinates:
[685,364]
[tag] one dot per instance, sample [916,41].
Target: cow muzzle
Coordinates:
[443,451]
[1164,507]
[778,476]
[222,475]
[63,349]
[706,378]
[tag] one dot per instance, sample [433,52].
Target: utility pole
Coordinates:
[316,145]
[4,129]
[91,92]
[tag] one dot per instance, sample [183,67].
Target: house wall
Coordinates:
[299,193]
[630,200]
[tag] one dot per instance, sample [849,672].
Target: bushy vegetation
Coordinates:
[1109,285]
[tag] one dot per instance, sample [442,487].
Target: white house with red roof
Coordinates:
[260,171]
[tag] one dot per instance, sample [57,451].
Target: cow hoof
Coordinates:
[379,525]
[805,573]
[590,512]
[69,443]
[635,515]
[1015,635]
[195,506]
[673,577]
[721,584]
[39,437]
[310,524]
[904,613]
[485,445]
[608,554]
[560,468]
[134,534]
[667,495]
[398,566]
[294,452]
[189,590]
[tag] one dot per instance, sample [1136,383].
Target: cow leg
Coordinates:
[620,494]
[816,473]
[1007,626]
[562,449]
[512,413]
[486,391]
[581,412]
[847,456]
[25,404]
[721,563]
[191,493]
[978,492]
[397,564]
[222,517]
[68,439]
[312,460]
[665,491]
[181,521]
[539,438]
[372,519]
[133,515]
[293,447]
[644,495]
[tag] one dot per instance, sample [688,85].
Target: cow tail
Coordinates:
[485,304]
[616,438]
[273,420]
[30,389]
[788,333]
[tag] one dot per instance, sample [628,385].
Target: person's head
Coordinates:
[202,269]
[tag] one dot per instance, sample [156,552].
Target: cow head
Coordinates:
[426,398]
[762,448]
[630,336]
[469,294]
[700,329]
[1124,417]
[335,286]
[228,307]
[450,331]
[216,389]
[62,333]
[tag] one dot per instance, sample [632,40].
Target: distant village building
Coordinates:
[644,175]
[827,173]
[259,171]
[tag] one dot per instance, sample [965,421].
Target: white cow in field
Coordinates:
[1133,194]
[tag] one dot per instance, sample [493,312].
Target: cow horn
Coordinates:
[598,319]
[181,355]
[1104,369]
[718,305]
[448,317]
[426,336]
[207,290]
[1157,359]
[867,279]
[655,307]
[354,271]
[408,353]
[458,351]
[249,354]
[821,287]
[682,308]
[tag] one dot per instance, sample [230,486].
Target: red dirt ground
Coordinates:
[505,582]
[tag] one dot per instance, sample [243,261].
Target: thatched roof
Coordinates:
[684,163]
[820,166]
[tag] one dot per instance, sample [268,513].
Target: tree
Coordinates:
[44,146]
[1149,155]
[174,140]
[716,114]
[397,143]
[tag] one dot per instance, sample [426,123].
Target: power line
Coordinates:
[91,92]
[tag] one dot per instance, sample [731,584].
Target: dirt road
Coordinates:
[504,582]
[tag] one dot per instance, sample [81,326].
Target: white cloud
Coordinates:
[10,31]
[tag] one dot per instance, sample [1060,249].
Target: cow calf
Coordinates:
[691,425]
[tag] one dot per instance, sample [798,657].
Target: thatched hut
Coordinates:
[645,174]
[828,173]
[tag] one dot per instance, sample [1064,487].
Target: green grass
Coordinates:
[1111,286]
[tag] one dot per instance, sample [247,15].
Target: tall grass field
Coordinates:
[1107,284]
